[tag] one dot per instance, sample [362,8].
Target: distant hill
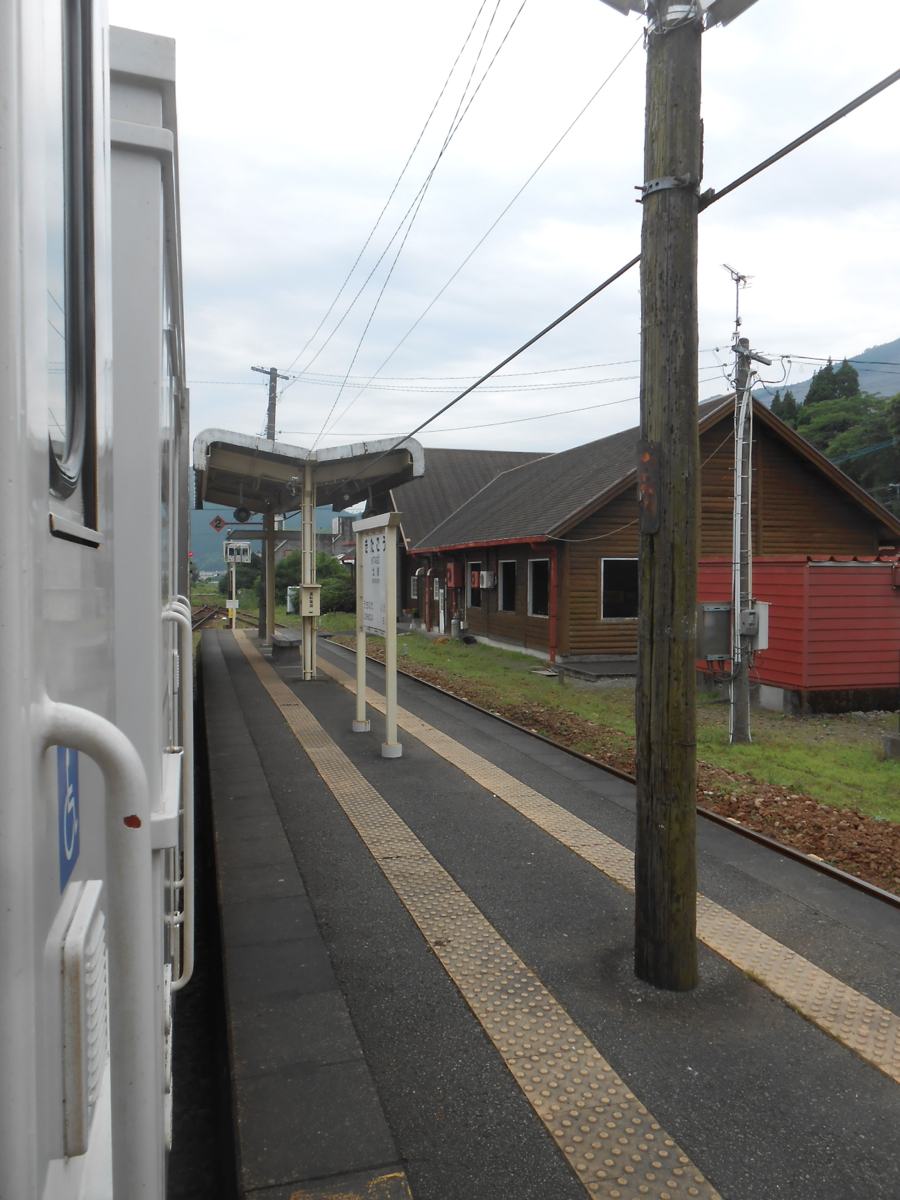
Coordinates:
[206,544]
[878,369]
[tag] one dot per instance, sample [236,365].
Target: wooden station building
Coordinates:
[543,556]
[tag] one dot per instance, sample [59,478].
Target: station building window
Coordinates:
[539,587]
[506,586]
[618,589]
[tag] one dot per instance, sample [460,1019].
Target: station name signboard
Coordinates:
[374,566]
[237,552]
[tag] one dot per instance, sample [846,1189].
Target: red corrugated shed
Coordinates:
[834,622]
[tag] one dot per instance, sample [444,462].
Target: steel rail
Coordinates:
[762,839]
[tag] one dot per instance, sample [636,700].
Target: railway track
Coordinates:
[814,864]
[205,615]
[210,612]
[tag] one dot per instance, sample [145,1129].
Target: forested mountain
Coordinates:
[878,369]
[857,430]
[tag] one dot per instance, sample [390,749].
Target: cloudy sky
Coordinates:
[296,119]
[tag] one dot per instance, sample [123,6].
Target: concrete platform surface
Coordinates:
[412,958]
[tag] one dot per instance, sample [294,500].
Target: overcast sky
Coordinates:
[295,119]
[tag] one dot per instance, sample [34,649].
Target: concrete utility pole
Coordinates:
[741,545]
[267,600]
[743,617]
[665,856]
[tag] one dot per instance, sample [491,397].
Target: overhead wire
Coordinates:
[485,424]
[393,190]
[322,378]
[707,200]
[424,313]
[456,121]
[409,215]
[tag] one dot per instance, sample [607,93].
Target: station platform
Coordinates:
[427,967]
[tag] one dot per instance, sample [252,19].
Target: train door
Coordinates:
[150,408]
[84,785]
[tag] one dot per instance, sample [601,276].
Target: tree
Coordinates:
[821,385]
[785,407]
[337,594]
[861,435]
[846,380]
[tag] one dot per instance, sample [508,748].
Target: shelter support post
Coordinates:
[269,570]
[308,567]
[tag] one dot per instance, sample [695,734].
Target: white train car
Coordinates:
[95,686]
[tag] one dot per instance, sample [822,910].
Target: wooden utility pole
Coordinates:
[665,855]
[267,599]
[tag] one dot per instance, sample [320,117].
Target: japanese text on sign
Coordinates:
[374,583]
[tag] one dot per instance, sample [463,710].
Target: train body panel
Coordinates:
[94,701]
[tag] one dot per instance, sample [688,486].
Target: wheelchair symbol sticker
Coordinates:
[69,817]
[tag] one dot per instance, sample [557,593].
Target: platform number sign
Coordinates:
[68,812]
[374,587]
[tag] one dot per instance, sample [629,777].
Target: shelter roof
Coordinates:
[267,476]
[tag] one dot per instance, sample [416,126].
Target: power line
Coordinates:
[492,226]
[706,201]
[454,125]
[413,208]
[393,191]
[564,412]
[322,378]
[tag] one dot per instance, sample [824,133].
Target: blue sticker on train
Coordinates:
[69,815]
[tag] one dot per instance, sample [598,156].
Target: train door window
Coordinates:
[69,281]
[618,589]
[506,597]
[167,457]
[539,587]
[473,585]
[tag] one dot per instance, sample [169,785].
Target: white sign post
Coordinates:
[376,613]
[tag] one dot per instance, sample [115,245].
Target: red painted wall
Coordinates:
[832,625]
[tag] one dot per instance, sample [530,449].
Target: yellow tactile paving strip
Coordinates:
[610,1140]
[854,1020]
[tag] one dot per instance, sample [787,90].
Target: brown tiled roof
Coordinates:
[451,478]
[545,497]
[537,499]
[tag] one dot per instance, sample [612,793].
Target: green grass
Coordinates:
[835,759]
[336,622]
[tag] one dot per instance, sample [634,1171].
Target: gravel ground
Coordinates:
[849,840]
